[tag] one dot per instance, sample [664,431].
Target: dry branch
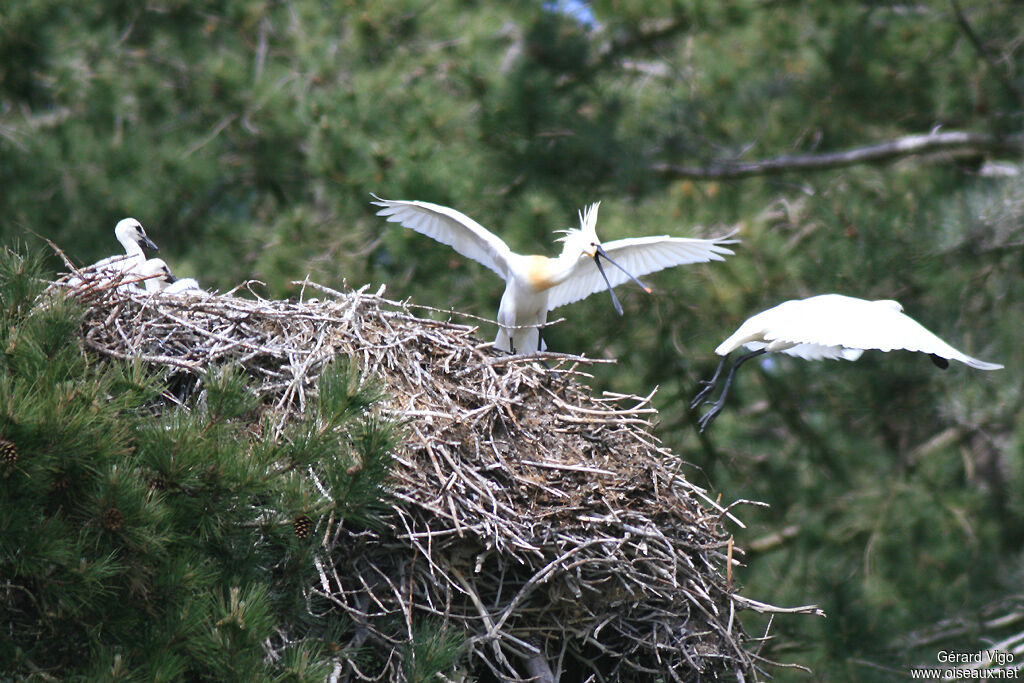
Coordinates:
[900,148]
[772,541]
[546,524]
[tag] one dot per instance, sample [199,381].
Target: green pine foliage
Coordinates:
[248,135]
[433,648]
[145,542]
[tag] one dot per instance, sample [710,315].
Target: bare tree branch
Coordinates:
[772,541]
[960,627]
[900,148]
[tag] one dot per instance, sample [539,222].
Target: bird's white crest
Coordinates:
[582,241]
[536,284]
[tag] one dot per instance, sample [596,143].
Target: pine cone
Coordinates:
[8,452]
[113,519]
[302,525]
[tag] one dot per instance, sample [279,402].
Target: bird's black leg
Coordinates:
[707,418]
[708,384]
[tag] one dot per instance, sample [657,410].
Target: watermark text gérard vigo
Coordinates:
[982,657]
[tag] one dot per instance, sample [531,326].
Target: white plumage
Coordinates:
[155,274]
[829,326]
[159,278]
[133,238]
[536,284]
[185,285]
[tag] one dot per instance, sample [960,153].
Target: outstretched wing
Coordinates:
[450,227]
[639,256]
[895,330]
[837,321]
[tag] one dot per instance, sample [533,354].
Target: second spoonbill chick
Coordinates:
[536,284]
[185,285]
[155,275]
[829,326]
[159,278]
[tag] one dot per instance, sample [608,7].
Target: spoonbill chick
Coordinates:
[184,285]
[829,326]
[155,275]
[133,238]
[536,284]
[159,278]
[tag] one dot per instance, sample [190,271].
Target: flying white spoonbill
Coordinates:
[536,284]
[133,238]
[829,326]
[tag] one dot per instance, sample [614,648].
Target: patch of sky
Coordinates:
[577,9]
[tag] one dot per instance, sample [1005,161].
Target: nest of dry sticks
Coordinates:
[547,524]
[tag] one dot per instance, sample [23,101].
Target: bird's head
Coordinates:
[131,230]
[158,268]
[156,274]
[582,241]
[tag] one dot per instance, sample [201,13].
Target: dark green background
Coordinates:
[247,136]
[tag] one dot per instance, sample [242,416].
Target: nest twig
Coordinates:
[547,524]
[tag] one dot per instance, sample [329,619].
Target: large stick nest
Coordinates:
[547,524]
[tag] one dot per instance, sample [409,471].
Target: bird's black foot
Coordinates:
[701,397]
[709,386]
[709,417]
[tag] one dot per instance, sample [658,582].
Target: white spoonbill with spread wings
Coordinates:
[536,284]
[829,326]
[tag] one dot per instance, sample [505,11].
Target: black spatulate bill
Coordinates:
[598,254]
